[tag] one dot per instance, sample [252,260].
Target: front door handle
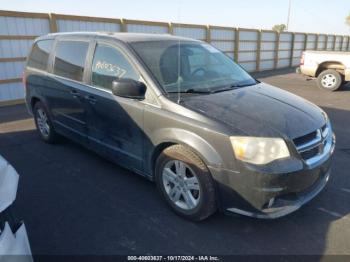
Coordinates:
[91,99]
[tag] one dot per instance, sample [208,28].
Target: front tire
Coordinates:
[185,183]
[43,123]
[329,80]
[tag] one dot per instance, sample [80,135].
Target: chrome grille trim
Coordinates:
[323,141]
[312,143]
[325,131]
[328,148]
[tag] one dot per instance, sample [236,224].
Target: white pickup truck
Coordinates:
[332,69]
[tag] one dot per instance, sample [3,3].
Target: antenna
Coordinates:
[179,56]
[178,73]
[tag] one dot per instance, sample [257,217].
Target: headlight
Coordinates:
[259,150]
[326,118]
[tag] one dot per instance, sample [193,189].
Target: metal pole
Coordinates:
[288,18]
[53,23]
[236,51]
[258,51]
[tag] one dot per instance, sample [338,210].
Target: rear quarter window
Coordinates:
[39,56]
[70,59]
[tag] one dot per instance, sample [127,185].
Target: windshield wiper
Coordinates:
[232,87]
[226,88]
[223,89]
[190,91]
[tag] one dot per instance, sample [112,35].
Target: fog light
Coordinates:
[272,200]
[333,143]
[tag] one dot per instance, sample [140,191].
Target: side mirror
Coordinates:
[128,88]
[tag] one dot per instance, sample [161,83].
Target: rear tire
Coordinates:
[329,80]
[44,124]
[185,183]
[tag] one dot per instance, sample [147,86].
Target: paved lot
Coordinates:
[75,202]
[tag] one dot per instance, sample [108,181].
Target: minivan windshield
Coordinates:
[191,67]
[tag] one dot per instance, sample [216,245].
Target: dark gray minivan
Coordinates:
[185,115]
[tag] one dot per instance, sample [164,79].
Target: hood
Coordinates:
[259,110]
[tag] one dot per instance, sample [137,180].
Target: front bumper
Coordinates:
[271,192]
[282,206]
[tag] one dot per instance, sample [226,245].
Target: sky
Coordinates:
[319,16]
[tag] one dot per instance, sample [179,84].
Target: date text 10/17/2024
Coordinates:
[173,258]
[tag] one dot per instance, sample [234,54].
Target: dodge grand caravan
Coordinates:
[183,114]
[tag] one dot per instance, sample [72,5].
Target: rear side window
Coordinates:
[110,64]
[70,59]
[40,54]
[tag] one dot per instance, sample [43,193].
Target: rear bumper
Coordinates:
[307,70]
[269,193]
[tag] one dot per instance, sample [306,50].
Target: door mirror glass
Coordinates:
[129,88]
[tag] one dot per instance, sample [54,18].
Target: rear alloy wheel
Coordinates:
[329,80]
[185,183]
[43,123]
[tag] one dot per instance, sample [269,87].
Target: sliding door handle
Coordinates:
[91,99]
[75,94]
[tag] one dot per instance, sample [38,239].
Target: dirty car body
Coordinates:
[188,111]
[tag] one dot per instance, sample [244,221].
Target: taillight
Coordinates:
[24,79]
[24,82]
[302,59]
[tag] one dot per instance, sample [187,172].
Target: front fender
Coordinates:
[199,145]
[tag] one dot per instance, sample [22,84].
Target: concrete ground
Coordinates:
[75,202]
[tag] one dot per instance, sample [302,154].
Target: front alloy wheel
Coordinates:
[185,183]
[181,184]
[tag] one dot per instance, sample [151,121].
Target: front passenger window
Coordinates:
[110,64]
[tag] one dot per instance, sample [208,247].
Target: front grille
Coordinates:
[310,153]
[312,144]
[304,139]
